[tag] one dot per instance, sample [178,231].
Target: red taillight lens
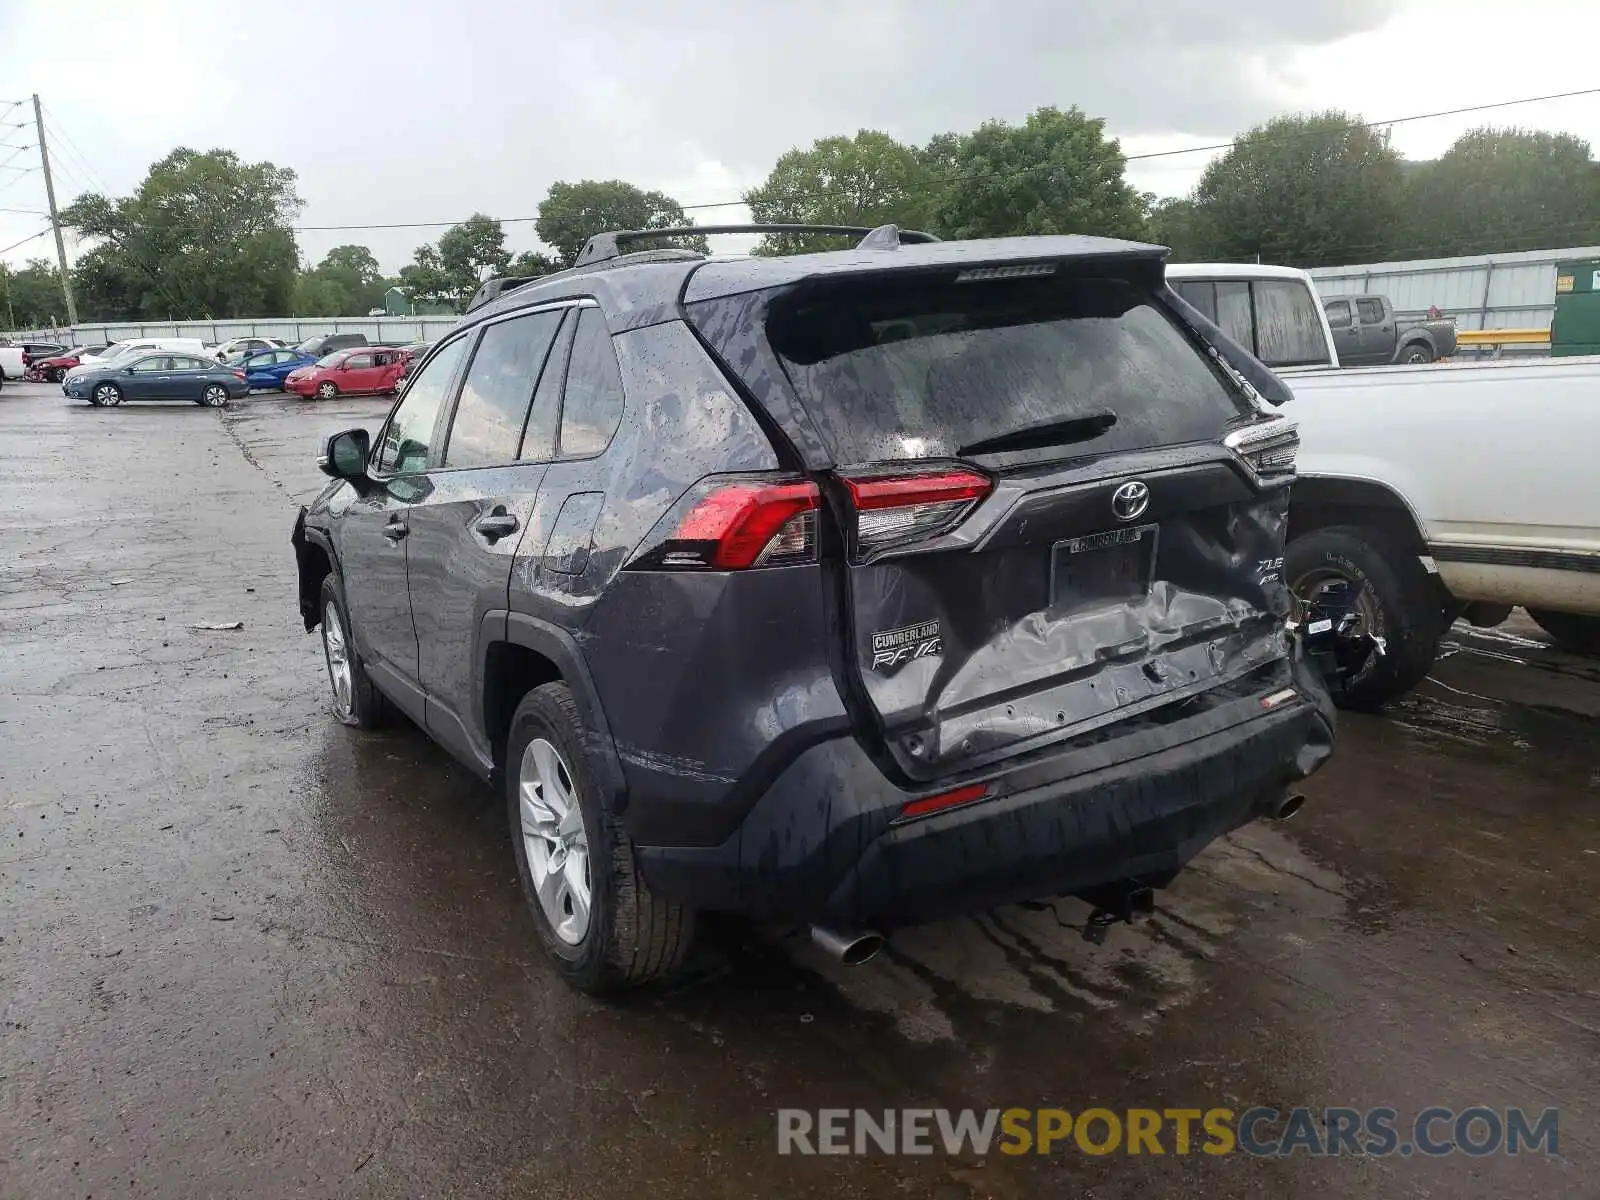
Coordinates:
[239,375]
[894,509]
[737,524]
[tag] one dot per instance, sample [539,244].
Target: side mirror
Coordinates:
[344,455]
[127,370]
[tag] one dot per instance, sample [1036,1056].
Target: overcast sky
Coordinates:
[403,111]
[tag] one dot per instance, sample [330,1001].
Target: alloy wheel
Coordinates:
[216,396]
[107,394]
[555,841]
[337,651]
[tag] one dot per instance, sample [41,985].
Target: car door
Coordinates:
[561,573]
[1377,329]
[146,378]
[1346,332]
[465,532]
[356,373]
[187,377]
[370,536]
[385,370]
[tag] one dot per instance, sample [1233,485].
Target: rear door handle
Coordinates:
[496,525]
[395,530]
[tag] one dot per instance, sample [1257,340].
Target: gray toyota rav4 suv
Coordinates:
[855,589]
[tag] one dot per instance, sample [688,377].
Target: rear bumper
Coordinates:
[823,843]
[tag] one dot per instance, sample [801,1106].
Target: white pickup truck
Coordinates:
[1425,494]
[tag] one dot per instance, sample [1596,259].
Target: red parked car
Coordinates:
[51,367]
[366,369]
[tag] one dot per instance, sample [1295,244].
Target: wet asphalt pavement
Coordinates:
[245,951]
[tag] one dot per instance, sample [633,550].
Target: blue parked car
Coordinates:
[269,368]
[159,376]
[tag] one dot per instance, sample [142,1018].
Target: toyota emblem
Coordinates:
[1130,500]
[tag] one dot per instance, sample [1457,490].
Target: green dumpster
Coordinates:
[1575,328]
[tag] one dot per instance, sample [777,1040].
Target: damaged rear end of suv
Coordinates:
[1040,521]
[855,589]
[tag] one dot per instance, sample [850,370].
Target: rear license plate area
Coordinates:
[1100,570]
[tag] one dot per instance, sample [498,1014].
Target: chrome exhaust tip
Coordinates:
[852,948]
[1288,806]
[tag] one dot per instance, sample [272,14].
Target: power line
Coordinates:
[26,240]
[77,153]
[1154,154]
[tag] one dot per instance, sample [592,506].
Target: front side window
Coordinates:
[409,435]
[592,404]
[151,366]
[357,362]
[495,395]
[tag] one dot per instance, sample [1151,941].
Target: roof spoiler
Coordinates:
[604,246]
[495,287]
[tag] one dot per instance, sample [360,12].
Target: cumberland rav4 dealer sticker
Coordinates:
[893,648]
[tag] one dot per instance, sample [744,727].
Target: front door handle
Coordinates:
[395,530]
[496,525]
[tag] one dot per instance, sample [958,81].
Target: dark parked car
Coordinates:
[857,589]
[325,344]
[158,376]
[1367,331]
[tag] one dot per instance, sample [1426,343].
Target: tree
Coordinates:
[1055,173]
[1501,190]
[427,281]
[205,235]
[450,272]
[1303,191]
[31,298]
[346,283]
[530,264]
[869,180]
[572,213]
[1182,224]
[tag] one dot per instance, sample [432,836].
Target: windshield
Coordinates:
[115,349]
[897,371]
[310,345]
[331,360]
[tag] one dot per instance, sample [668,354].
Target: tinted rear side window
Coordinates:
[914,371]
[592,404]
[1288,324]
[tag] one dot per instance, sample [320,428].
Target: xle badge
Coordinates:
[893,648]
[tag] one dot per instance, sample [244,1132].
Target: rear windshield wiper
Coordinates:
[1045,433]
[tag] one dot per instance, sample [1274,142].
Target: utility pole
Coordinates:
[55,219]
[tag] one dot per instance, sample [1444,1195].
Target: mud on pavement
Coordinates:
[248,952]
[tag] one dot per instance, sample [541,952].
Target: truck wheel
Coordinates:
[1572,631]
[1416,352]
[1395,597]
[600,926]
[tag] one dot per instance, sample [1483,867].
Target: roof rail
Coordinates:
[492,288]
[604,246]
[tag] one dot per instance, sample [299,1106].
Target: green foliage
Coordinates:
[530,264]
[572,213]
[31,298]
[868,180]
[1184,226]
[1499,190]
[347,283]
[1303,191]
[204,236]
[1055,173]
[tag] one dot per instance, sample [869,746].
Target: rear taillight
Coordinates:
[239,375]
[735,524]
[1268,446]
[894,509]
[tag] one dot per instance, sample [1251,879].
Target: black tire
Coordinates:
[632,937]
[1416,352]
[366,708]
[1405,609]
[1572,631]
[327,390]
[106,395]
[54,374]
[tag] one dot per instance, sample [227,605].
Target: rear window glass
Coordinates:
[901,372]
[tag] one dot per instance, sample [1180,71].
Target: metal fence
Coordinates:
[379,330]
[1487,291]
